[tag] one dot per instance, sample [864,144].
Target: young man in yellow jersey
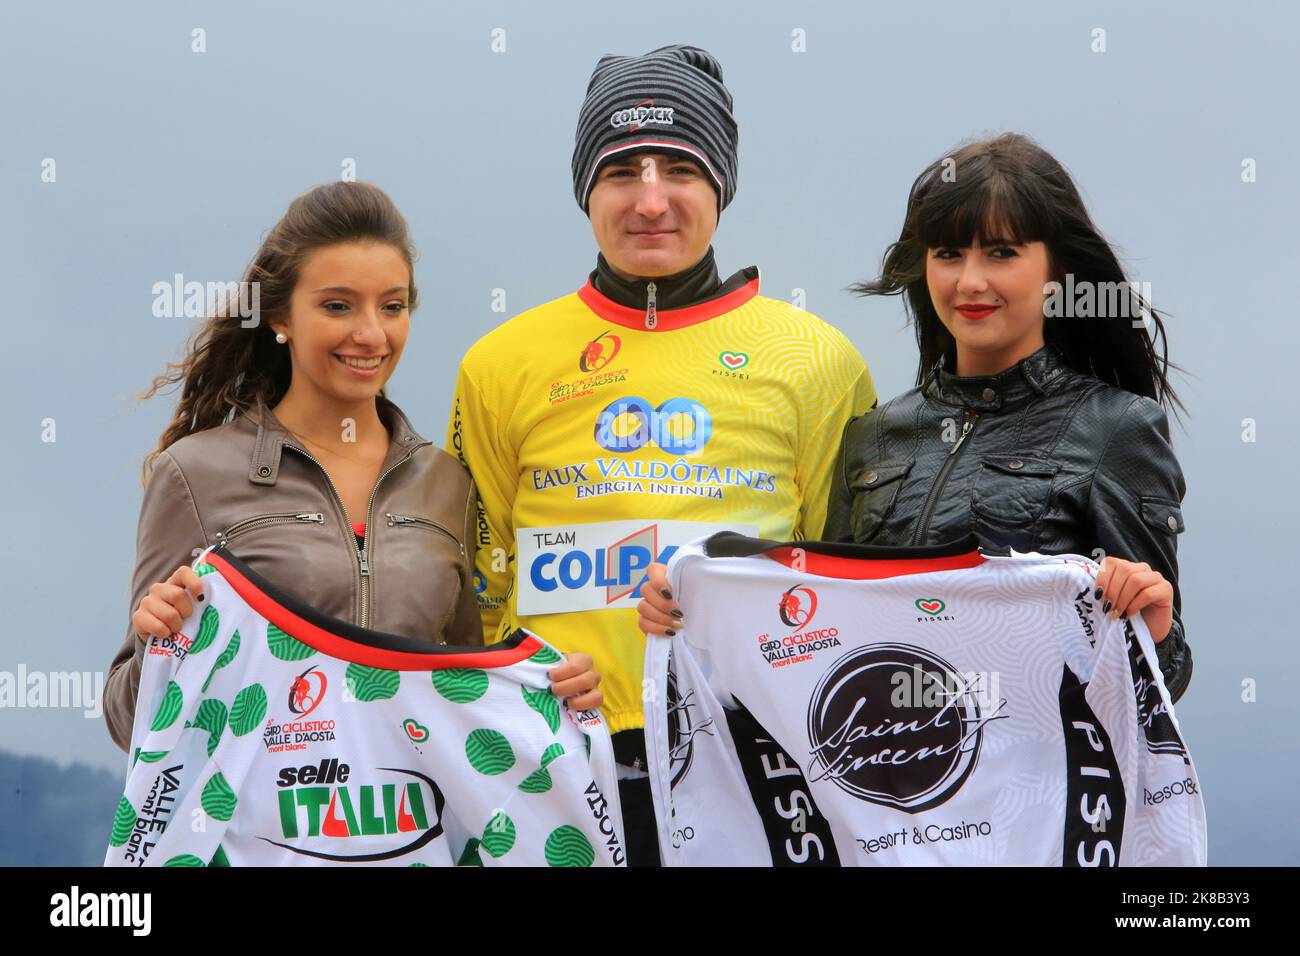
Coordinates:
[656,404]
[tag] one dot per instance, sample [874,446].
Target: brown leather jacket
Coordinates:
[282,517]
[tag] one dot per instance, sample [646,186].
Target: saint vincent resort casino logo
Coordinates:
[912,751]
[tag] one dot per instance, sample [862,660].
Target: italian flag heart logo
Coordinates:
[733,360]
[415,730]
[930,605]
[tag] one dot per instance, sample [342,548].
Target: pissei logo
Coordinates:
[733,360]
[931,606]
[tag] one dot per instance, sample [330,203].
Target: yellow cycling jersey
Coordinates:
[599,444]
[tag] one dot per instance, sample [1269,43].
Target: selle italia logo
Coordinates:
[322,803]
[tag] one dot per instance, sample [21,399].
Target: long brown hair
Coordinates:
[229,368]
[1012,187]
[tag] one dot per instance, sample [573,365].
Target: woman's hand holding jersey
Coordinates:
[1131,586]
[658,614]
[575,682]
[167,604]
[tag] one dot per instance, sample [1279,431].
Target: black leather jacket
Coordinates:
[1036,458]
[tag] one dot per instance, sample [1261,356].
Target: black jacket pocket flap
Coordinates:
[870,477]
[1012,489]
[1163,514]
[1020,465]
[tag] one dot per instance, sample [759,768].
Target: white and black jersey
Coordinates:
[841,704]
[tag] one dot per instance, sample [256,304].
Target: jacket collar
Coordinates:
[683,299]
[1042,373]
[678,291]
[272,437]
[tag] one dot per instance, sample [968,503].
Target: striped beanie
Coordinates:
[668,100]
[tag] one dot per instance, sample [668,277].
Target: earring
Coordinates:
[281,337]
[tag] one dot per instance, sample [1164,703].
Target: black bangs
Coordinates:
[1009,190]
[964,198]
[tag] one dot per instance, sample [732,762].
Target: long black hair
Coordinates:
[1010,188]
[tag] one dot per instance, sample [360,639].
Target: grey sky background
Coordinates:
[173,161]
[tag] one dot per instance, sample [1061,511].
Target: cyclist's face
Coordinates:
[652,214]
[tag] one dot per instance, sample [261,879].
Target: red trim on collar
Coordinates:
[668,319]
[334,645]
[871,569]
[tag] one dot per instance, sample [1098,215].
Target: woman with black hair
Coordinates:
[1038,421]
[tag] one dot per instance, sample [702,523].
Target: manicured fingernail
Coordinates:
[668,595]
[1105,608]
[675,613]
[670,632]
[1124,616]
[1096,594]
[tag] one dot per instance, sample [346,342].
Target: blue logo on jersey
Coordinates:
[679,426]
[619,569]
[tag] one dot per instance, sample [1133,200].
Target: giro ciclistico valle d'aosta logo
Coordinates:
[912,750]
[599,352]
[797,606]
[306,692]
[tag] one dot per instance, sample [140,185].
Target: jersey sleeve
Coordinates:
[1136,513]
[537,785]
[475,436]
[177,803]
[169,530]
[467,624]
[820,445]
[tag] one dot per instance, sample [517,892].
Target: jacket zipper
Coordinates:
[932,501]
[362,553]
[423,522]
[651,312]
[248,524]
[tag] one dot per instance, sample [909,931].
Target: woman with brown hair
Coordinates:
[285,444]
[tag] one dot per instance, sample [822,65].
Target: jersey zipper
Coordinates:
[651,313]
[363,552]
[423,523]
[932,501]
[261,521]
